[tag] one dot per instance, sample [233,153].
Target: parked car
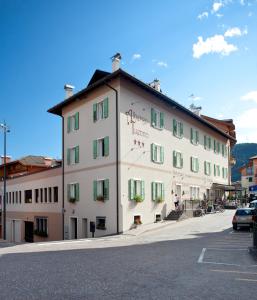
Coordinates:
[243,218]
[253,204]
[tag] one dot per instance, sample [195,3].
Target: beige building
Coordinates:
[128,149]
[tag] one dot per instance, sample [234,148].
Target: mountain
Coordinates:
[242,152]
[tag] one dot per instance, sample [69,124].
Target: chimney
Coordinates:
[69,90]
[7,159]
[195,109]
[156,85]
[116,62]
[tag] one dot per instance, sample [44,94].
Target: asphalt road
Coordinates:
[194,259]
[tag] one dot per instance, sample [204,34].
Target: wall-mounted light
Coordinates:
[172,192]
[183,193]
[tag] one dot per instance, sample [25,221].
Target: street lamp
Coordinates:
[5,129]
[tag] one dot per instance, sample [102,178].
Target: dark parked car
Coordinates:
[243,218]
[253,204]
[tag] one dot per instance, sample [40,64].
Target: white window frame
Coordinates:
[208,163]
[194,192]
[158,153]
[42,227]
[100,110]
[180,165]
[194,165]
[100,147]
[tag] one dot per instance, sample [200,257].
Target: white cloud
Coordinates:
[251,96]
[246,126]
[216,6]
[203,15]
[214,44]
[162,64]
[250,14]
[195,98]
[242,2]
[136,56]
[235,31]
[219,15]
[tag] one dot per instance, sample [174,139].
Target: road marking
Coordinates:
[225,249]
[62,243]
[219,263]
[200,259]
[234,271]
[246,279]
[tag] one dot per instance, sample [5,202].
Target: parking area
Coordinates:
[228,255]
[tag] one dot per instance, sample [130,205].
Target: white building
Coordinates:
[128,149]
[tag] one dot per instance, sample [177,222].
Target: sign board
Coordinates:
[253,188]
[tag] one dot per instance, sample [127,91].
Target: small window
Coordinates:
[177,159]
[45,189]
[73,155]
[20,196]
[207,168]
[101,190]
[101,147]
[158,191]
[41,226]
[157,119]
[16,197]
[207,142]
[194,164]
[41,195]
[50,194]
[28,196]
[73,123]
[13,197]
[177,128]
[250,179]
[36,195]
[216,170]
[101,110]
[137,220]
[194,193]
[136,190]
[73,192]
[157,153]
[101,223]
[56,194]
[194,136]
[158,217]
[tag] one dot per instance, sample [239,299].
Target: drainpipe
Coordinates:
[62,177]
[117,154]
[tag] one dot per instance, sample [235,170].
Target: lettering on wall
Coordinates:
[134,119]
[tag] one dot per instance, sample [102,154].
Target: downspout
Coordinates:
[62,177]
[117,155]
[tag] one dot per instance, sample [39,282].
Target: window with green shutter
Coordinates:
[207,168]
[194,136]
[73,155]
[136,190]
[76,154]
[76,121]
[106,146]
[101,190]
[157,191]
[177,159]
[68,124]
[101,147]
[73,192]
[73,122]
[194,164]
[106,108]
[68,156]
[157,153]
[157,118]
[178,130]
[101,110]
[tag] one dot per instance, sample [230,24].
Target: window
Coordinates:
[194,136]
[217,170]
[250,179]
[207,168]
[225,173]
[194,164]
[20,196]
[216,146]
[45,190]
[157,119]
[13,197]
[10,197]
[56,194]
[207,142]
[101,147]
[73,155]
[157,191]
[101,223]
[137,220]
[6,196]
[41,195]
[136,190]
[28,196]
[194,192]
[101,110]
[177,159]
[16,197]
[73,122]
[158,217]
[36,195]
[41,226]
[177,128]
[224,150]
[157,153]
[50,194]
[73,192]
[101,189]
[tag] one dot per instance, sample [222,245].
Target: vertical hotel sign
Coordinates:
[134,119]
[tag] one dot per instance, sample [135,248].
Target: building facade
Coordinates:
[128,149]
[249,176]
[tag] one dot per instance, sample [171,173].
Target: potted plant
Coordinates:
[40,233]
[138,198]
[100,198]
[159,199]
[72,200]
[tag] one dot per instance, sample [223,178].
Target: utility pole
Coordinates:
[5,129]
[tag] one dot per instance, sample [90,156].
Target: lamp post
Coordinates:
[5,129]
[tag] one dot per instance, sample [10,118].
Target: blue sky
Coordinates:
[205,48]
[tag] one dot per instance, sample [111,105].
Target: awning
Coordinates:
[225,187]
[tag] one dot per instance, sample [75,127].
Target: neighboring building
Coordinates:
[249,176]
[128,149]
[33,200]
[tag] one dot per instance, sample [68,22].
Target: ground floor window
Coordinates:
[194,192]
[101,189]
[101,223]
[41,226]
[157,191]
[158,217]
[137,220]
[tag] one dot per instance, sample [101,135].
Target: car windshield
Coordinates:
[244,212]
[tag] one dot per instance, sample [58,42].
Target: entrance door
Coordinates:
[16,231]
[84,228]
[178,191]
[74,228]
[29,234]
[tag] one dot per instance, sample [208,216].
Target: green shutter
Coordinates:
[197,165]
[162,154]
[182,162]
[69,124]
[68,156]
[152,152]
[153,191]
[214,170]
[214,146]
[106,146]
[131,189]
[192,169]
[143,189]
[95,149]
[77,191]
[94,112]
[192,135]
[106,108]
[197,137]
[181,130]
[95,190]
[175,128]
[205,142]
[106,189]
[174,159]
[205,168]
[153,117]
[161,119]
[77,121]
[68,192]
[162,191]
[77,154]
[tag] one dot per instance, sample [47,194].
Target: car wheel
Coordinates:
[235,226]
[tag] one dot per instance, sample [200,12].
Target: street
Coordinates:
[193,259]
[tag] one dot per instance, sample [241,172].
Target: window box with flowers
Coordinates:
[158,192]
[136,190]
[101,190]
[73,192]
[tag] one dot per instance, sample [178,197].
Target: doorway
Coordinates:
[16,231]
[178,191]
[74,228]
[84,228]
[29,234]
